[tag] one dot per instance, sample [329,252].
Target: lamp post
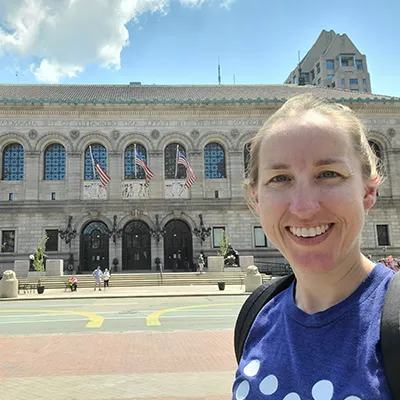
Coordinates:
[114,232]
[67,235]
[157,233]
[203,233]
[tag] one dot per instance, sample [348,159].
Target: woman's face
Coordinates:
[310,196]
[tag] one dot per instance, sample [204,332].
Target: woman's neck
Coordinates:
[316,293]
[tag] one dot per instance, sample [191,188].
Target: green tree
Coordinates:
[38,257]
[223,247]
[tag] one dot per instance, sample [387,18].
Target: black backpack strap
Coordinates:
[252,306]
[390,336]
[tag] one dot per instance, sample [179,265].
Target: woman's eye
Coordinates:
[329,174]
[280,178]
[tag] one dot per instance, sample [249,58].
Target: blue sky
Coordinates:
[257,40]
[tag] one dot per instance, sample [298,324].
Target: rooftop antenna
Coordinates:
[17,76]
[219,73]
[234,79]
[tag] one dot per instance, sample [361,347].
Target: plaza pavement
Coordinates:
[180,365]
[143,291]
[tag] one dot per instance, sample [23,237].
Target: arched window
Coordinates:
[214,161]
[246,158]
[133,171]
[13,163]
[100,156]
[54,162]
[172,169]
[376,148]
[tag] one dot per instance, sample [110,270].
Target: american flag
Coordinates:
[147,171]
[104,177]
[190,176]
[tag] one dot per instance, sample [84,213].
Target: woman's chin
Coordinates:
[313,263]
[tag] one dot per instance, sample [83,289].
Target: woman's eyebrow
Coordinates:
[319,163]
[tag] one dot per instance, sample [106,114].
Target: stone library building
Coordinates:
[120,175]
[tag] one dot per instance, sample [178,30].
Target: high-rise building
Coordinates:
[333,61]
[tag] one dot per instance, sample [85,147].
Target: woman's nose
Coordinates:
[304,201]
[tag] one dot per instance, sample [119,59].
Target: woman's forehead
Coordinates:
[309,138]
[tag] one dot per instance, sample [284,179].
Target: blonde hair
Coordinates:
[342,115]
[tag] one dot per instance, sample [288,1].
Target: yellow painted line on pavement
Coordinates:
[153,318]
[95,321]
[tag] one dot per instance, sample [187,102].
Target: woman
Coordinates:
[312,179]
[106,278]
[201,263]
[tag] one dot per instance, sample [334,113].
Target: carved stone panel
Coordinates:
[176,189]
[74,134]
[93,190]
[155,134]
[135,190]
[32,134]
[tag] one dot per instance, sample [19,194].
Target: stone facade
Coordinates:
[30,211]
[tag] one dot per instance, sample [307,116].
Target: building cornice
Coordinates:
[184,111]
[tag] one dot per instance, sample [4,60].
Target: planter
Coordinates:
[221,285]
[40,289]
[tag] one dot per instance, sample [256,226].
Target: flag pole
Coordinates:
[176,161]
[134,161]
[94,169]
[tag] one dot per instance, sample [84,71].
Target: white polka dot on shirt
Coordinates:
[251,369]
[292,396]
[322,390]
[269,385]
[242,390]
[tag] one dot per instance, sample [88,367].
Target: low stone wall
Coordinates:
[21,268]
[54,267]
[215,264]
[245,261]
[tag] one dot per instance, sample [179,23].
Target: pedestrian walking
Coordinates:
[98,274]
[201,263]
[312,179]
[106,278]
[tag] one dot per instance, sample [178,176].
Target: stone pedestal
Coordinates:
[54,267]
[253,279]
[21,268]
[9,285]
[215,264]
[245,261]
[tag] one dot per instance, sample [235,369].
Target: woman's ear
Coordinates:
[370,190]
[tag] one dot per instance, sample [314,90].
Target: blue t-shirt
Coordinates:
[330,355]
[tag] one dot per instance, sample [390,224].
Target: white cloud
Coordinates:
[192,3]
[227,3]
[52,72]
[66,35]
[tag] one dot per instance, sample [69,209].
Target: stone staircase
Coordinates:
[145,279]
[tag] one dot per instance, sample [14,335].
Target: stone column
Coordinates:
[115,251]
[155,163]
[391,187]
[157,250]
[116,173]
[196,161]
[31,177]
[236,173]
[74,175]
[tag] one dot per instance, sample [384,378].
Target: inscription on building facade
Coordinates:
[29,123]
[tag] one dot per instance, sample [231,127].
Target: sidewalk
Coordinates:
[145,291]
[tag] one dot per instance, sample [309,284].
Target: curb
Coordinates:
[129,296]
